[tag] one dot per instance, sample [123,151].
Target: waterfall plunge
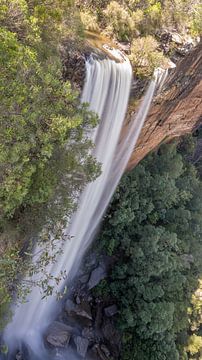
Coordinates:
[106,89]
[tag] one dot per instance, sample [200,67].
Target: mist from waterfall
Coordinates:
[107,89]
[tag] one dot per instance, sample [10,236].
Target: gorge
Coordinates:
[71,133]
[107,89]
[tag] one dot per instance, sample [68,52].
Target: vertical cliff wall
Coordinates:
[177,110]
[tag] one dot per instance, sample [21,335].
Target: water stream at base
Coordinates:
[106,89]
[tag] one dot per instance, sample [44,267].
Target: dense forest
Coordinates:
[153,229]
[153,226]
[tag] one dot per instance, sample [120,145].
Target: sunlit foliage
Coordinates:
[44,149]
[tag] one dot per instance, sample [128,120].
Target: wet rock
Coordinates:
[84,279]
[78,300]
[92,262]
[96,276]
[98,316]
[88,333]
[81,345]
[58,334]
[111,310]
[100,353]
[83,310]
[79,312]
[70,307]
[112,336]
[105,350]
[19,356]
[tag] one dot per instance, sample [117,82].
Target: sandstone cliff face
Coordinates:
[177,110]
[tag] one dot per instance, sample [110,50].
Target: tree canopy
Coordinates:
[141,23]
[153,228]
[44,148]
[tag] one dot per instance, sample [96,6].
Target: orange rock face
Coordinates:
[177,110]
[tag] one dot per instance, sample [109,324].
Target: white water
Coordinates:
[107,90]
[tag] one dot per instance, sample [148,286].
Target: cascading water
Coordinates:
[106,89]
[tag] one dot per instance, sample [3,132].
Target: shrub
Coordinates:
[89,21]
[145,57]
[118,21]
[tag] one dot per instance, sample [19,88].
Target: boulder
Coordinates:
[111,310]
[88,333]
[105,350]
[100,353]
[112,336]
[70,307]
[81,312]
[19,356]
[81,345]
[84,279]
[96,276]
[177,38]
[58,334]
[78,300]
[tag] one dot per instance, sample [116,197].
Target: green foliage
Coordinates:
[196,20]
[153,228]
[194,341]
[89,21]
[140,22]
[10,265]
[119,21]
[39,112]
[121,18]
[45,156]
[145,57]
[195,344]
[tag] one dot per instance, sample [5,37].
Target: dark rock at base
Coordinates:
[88,333]
[81,345]
[112,336]
[84,278]
[105,350]
[100,353]
[78,300]
[79,312]
[96,276]
[111,310]
[58,334]
[70,307]
[110,333]
[98,316]
[83,310]
[19,356]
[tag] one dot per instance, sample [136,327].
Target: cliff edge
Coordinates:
[177,110]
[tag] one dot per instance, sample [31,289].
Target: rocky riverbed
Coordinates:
[87,324]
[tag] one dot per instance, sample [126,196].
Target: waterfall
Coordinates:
[106,89]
